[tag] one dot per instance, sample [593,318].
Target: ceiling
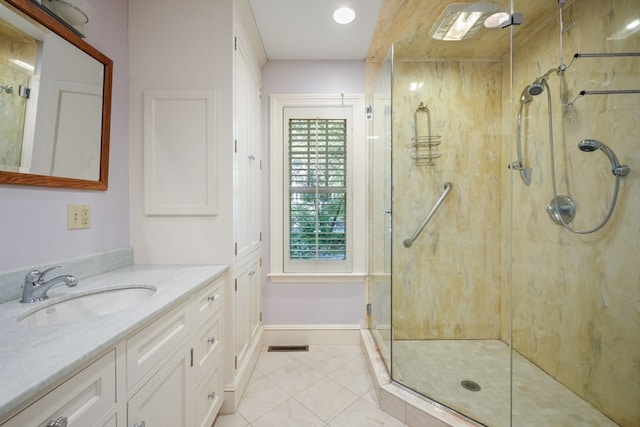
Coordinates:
[305,30]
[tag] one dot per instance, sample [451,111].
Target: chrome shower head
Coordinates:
[591,145]
[537,87]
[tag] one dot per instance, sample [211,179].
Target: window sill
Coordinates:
[303,278]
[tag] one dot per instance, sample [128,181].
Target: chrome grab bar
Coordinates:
[408,242]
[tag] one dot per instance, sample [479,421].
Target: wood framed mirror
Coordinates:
[58,135]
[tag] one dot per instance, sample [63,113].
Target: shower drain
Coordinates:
[470,385]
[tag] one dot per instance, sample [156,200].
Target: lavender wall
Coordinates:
[33,220]
[306,303]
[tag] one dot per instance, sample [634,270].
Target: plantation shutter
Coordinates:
[317,189]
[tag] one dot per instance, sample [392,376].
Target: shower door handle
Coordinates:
[408,242]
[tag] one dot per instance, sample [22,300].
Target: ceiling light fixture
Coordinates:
[496,20]
[344,15]
[460,21]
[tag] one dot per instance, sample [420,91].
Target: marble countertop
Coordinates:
[33,358]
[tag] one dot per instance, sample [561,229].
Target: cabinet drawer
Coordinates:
[209,393]
[153,344]
[207,301]
[207,343]
[82,399]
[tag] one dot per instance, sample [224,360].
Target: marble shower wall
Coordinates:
[13,106]
[447,285]
[576,298]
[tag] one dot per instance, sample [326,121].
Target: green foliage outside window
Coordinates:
[317,189]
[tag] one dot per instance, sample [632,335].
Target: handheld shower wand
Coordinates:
[525,173]
[590,145]
[559,204]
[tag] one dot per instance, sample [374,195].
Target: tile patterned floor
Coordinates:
[328,386]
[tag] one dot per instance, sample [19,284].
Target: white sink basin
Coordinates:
[87,306]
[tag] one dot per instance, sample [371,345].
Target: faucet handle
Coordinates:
[36,276]
[31,277]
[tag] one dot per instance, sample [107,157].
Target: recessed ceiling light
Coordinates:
[344,15]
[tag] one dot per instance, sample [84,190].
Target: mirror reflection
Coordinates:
[52,103]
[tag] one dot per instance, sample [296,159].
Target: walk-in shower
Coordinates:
[493,311]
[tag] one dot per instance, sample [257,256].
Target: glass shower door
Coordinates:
[379,116]
[449,339]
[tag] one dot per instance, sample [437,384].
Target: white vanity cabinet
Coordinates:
[180,388]
[86,399]
[167,373]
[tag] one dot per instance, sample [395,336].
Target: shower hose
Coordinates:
[553,179]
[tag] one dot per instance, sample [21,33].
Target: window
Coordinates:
[317,189]
[313,144]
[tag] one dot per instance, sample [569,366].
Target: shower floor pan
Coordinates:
[438,369]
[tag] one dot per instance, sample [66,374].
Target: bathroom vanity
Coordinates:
[158,362]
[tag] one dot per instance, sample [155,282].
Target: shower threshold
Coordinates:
[400,402]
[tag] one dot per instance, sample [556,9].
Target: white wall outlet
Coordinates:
[85,216]
[78,216]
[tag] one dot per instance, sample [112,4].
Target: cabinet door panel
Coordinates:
[164,399]
[242,330]
[247,177]
[209,394]
[82,399]
[255,298]
[247,307]
[111,422]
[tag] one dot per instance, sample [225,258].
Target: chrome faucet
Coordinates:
[35,287]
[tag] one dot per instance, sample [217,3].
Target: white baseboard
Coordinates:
[311,335]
